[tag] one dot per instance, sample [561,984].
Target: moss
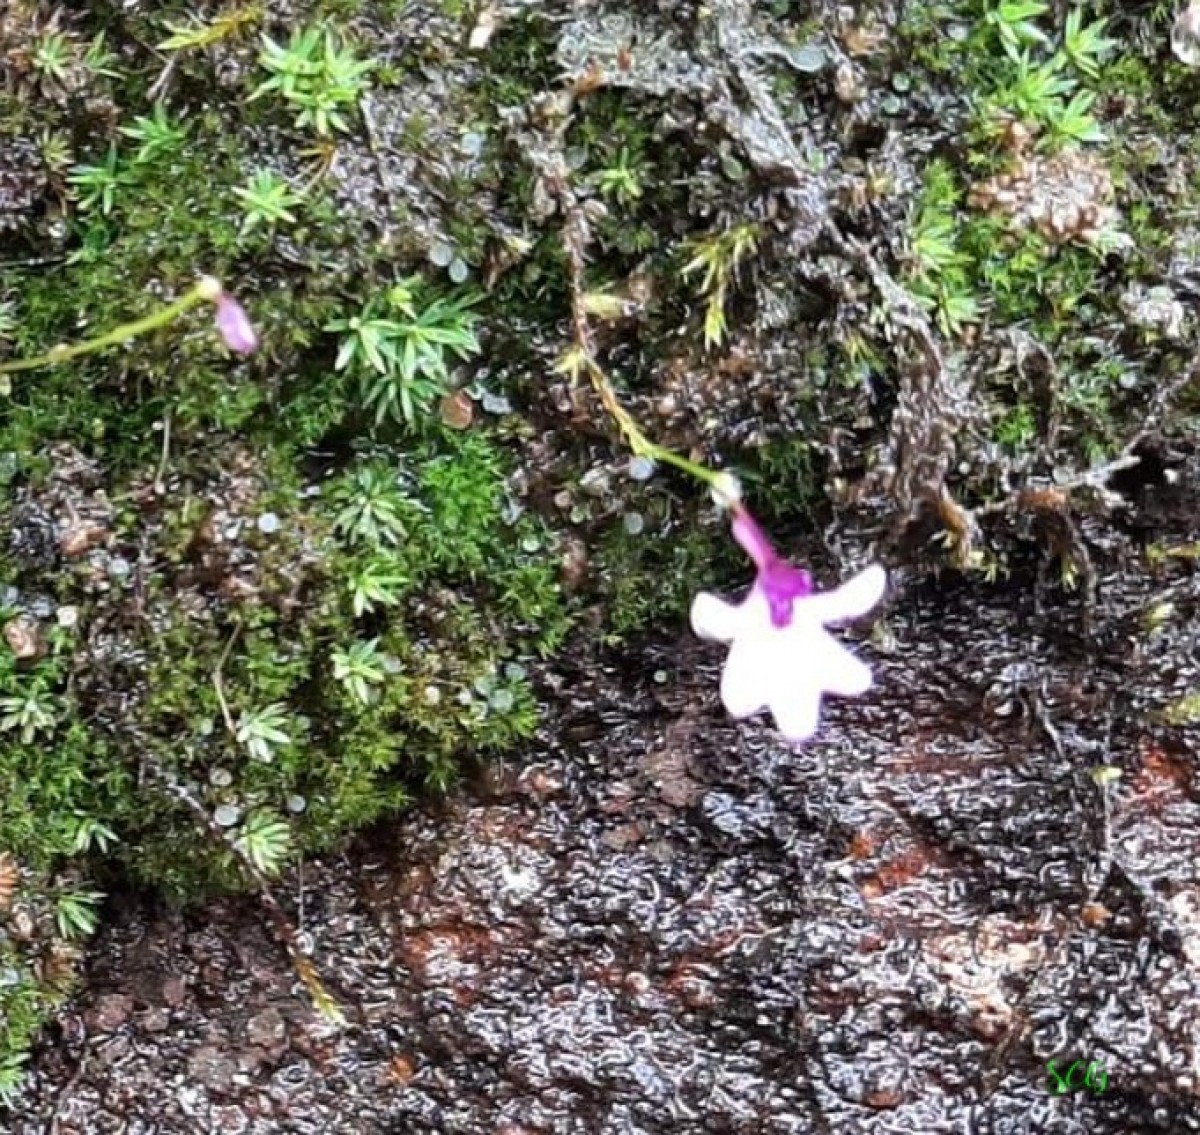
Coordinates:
[1184,711]
[640,578]
[455,682]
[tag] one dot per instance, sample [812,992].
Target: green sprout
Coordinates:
[1074,121]
[155,134]
[222,26]
[31,714]
[1013,21]
[378,582]
[1045,91]
[369,506]
[265,840]
[12,1075]
[360,669]
[1035,90]
[99,60]
[1086,45]
[621,181]
[316,76]
[90,833]
[262,731]
[53,56]
[56,151]
[940,270]
[75,914]
[718,258]
[401,352]
[97,185]
[266,200]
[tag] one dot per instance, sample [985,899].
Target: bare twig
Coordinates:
[165,455]
[218,682]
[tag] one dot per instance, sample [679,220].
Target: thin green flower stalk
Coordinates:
[580,359]
[232,324]
[723,485]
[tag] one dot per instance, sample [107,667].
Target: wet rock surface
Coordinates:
[655,920]
[667,922]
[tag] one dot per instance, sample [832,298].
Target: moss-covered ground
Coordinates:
[922,275]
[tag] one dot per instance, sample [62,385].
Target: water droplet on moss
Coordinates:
[641,468]
[809,59]
[501,700]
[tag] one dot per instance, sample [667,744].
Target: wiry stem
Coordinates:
[575,238]
[63,352]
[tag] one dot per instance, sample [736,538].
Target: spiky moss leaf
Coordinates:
[25,1001]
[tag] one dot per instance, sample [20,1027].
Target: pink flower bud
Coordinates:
[234,325]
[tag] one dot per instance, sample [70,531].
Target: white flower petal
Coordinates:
[746,679]
[797,711]
[833,668]
[850,601]
[713,618]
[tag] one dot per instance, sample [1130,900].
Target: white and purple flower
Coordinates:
[781,657]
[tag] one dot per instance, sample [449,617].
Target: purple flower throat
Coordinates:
[780,582]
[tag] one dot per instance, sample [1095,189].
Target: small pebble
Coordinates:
[24,637]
